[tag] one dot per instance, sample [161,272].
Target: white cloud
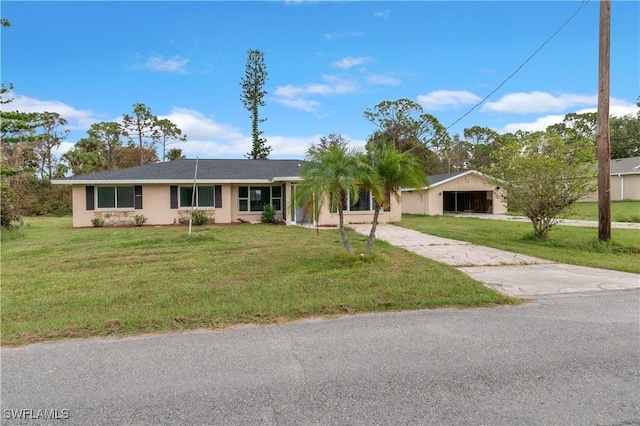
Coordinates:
[298,96]
[62,149]
[617,107]
[158,63]
[350,62]
[442,99]
[382,13]
[77,119]
[539,102]
[540,123]
[207,138]
[383,80]
[196,125]
[296,147]
[302,104]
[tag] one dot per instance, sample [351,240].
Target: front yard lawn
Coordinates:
[59,282]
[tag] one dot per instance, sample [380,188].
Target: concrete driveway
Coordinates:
[510,273]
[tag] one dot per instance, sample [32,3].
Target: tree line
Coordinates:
[537,173]
[29,140]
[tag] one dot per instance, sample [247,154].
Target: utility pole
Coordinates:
[604,145]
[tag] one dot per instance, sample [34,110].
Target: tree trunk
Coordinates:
[343,233]
[372,234]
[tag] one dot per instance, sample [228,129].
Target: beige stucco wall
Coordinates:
[430,201]
[623,187]
[333,219]
[156,208]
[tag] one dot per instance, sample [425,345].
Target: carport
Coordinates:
[467,201]
[468,191]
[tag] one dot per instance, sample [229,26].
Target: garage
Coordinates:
[467,201]
[468,191]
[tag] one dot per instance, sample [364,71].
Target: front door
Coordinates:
[299,215]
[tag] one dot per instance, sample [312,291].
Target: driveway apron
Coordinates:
[510,273]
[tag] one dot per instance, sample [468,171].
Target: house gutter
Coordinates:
[164,181]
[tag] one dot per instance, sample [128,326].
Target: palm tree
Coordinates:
[332,174]
[392,170]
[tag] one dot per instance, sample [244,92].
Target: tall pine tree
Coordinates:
[252,98]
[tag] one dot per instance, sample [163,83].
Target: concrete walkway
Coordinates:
[510,273]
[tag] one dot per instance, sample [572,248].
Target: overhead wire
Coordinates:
[584,2]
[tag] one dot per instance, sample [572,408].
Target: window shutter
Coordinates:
[284,201]
[90,197]
[137,190]
[217,196]
[174,196]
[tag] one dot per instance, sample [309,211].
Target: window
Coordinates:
[204,196]
[364,203]
[116,197]
[253,198]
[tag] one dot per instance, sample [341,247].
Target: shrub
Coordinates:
[97,222]
[200,217]
[268,214]
[140,219]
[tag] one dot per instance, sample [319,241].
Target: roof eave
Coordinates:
[166,181]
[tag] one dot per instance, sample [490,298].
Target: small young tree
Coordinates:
[255,76]
[542,175]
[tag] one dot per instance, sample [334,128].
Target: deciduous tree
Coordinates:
[411,130]
[541,175]
[482,142]
[624,133]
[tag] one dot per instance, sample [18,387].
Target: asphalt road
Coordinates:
[569,359]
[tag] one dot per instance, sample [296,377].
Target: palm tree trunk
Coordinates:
[343,233]
[372,234]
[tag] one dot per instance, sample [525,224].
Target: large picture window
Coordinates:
[364,203]
[204,196]
[254,198]
[116,197]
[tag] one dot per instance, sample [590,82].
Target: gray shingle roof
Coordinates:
[181,170]
[445,176]
[629,165]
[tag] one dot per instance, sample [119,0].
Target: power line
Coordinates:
[584,2]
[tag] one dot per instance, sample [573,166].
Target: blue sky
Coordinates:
[327,63]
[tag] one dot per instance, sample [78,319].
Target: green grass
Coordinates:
[565,244]
[59,282]
[621,211]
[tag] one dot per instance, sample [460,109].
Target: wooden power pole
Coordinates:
[604,146]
